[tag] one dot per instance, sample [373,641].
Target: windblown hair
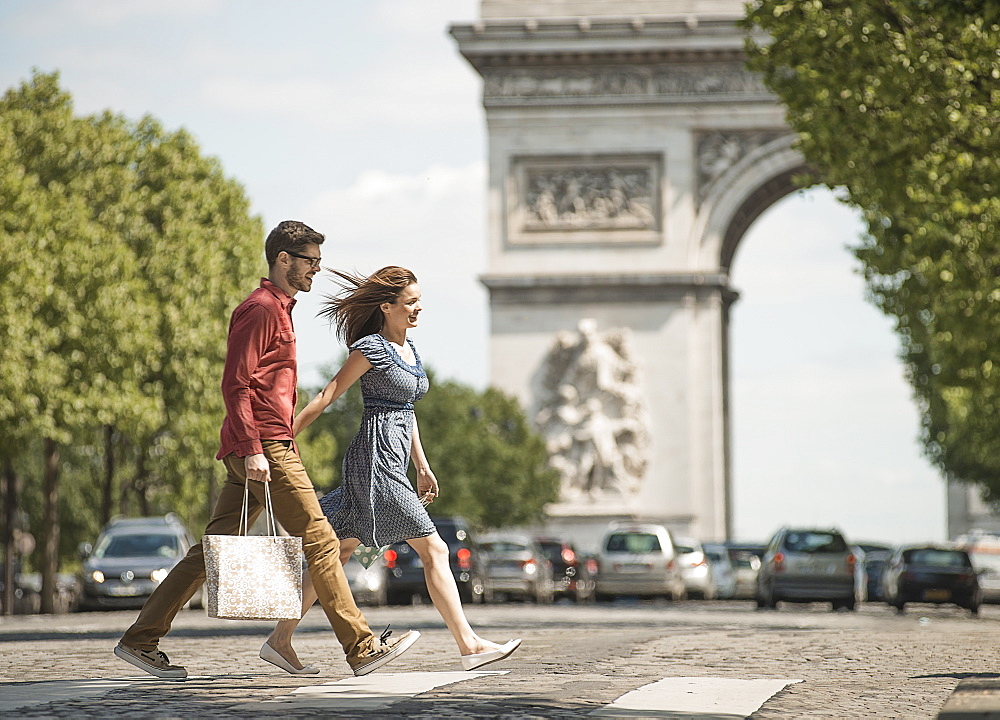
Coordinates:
[355,309]
[289,236]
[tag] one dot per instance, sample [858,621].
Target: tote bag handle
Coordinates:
[270,527]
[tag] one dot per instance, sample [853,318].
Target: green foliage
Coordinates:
[124,251]
[491,467]
[898,102]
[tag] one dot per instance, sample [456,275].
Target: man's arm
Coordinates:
[249,336]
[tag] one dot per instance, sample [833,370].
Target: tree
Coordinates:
[492,468]
[897,102]
[128,250]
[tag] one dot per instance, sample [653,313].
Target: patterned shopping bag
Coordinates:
[254,577]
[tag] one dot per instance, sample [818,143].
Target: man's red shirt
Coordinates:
[260,376]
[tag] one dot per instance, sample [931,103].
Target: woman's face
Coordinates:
[403,313]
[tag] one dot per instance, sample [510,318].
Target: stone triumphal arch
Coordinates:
[629,151]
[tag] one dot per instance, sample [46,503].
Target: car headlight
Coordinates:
[97,576]
[158,575]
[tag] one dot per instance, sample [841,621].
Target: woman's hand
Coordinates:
[427,485]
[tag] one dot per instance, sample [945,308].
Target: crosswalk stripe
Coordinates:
[704,696]
[375,691]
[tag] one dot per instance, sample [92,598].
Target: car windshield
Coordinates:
[503,546]
[684,549]
[937,558]
[633,543]
[138,545]
[815,542]
[714,555]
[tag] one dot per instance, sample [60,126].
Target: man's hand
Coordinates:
[258,468]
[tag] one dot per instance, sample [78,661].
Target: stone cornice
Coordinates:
[558,289]
[580,41]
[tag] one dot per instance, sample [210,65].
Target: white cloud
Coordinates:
[431,222]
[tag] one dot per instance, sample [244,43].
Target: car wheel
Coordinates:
[900,608]
[974,610]
[851,605]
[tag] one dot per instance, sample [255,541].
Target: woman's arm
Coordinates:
[427,484]
[356,366]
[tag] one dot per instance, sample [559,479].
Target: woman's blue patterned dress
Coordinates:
[375,502]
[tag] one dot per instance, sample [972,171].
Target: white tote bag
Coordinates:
[254,577]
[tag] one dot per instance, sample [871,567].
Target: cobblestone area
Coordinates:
[574,660]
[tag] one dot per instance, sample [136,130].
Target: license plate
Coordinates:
[937,595]
[124,591]
[633,567]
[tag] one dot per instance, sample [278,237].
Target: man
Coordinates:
[259,388]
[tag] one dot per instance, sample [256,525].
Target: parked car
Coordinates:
[931,574]
[746,562]
[873,565]
[807,565]
[639,560]
[129,559]
[694,564]
[572,573]
[722,569]
[984,551]
[516,567]
[405,577]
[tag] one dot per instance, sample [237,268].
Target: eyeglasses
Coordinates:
[313,261]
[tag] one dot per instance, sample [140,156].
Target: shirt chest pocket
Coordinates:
[285,345]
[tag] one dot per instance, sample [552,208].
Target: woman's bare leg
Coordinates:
[280,638]
[441,586]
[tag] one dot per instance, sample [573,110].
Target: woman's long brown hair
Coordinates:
[354,310]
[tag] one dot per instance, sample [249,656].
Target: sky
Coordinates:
[364,121]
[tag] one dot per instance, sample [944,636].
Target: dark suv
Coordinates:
[405,576]
[807,565]
[572,574]
[129,559]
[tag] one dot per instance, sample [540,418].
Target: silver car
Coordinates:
[639,559]
[807,565]
[695,569]
[720,564]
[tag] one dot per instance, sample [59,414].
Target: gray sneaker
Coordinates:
[385,651]
[154,662]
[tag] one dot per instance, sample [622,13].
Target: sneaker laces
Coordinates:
[385,634]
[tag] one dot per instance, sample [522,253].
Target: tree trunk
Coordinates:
[109,474]
[50,526]
[10,506]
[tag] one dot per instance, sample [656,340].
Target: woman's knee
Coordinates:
[433,551]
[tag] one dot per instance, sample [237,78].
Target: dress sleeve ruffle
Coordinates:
[374,349]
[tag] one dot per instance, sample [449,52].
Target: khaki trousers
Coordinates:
[297,509]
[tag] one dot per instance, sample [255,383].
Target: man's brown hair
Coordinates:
[289,236]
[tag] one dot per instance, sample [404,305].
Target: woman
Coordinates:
[376,504]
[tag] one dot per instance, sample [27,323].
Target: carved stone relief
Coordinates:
[592,414]
[587,199]
[719,151]
[668,81]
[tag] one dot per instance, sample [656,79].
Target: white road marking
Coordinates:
[707,697]
[22,695]
[371,692]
